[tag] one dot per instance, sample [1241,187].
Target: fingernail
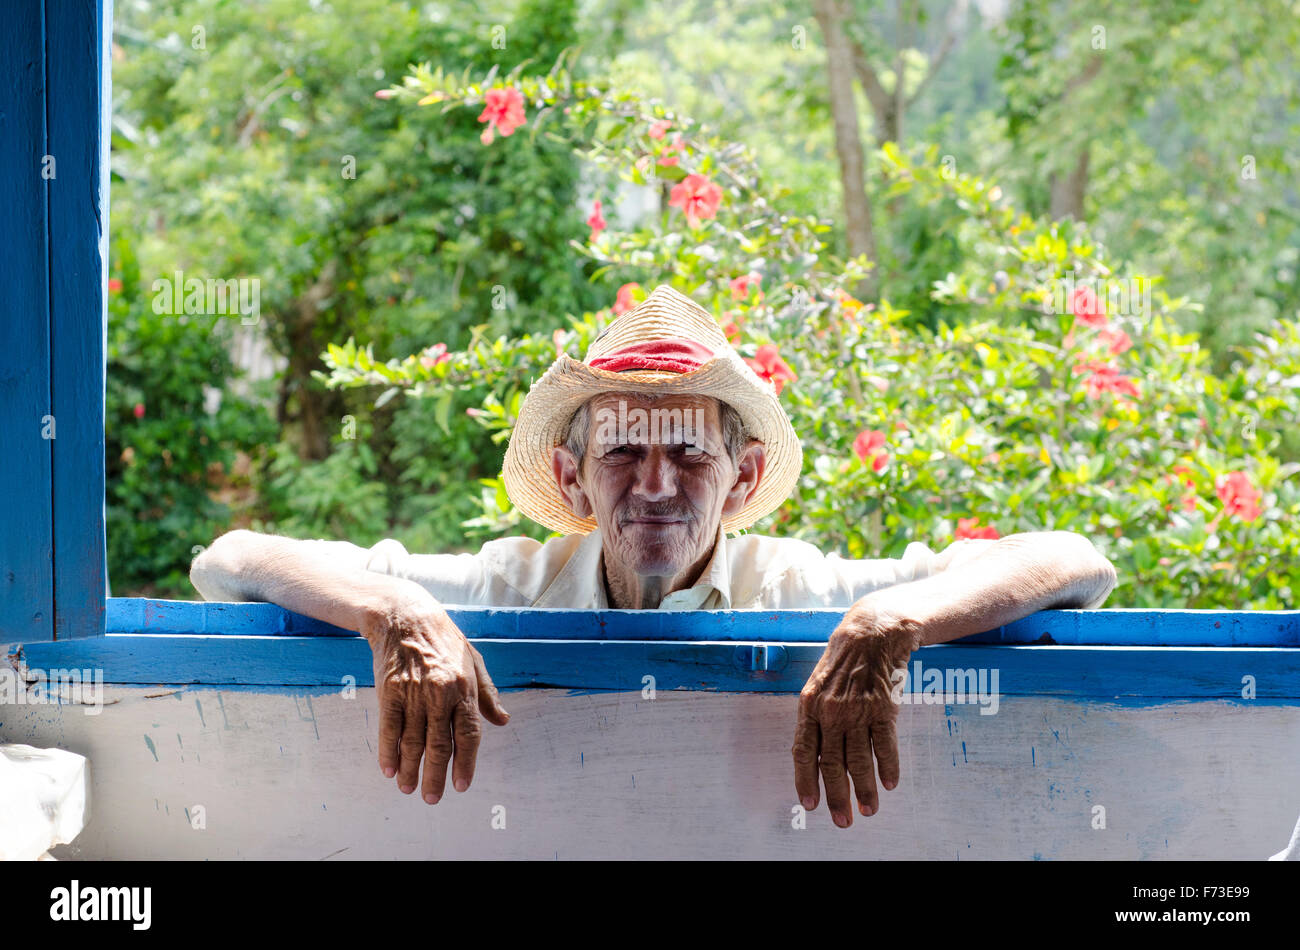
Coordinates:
[461,785]
[389,771]
[889,786]
[809,803]
[407,789]
[431,798]
[842,820]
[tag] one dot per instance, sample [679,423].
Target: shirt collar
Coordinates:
[580,584]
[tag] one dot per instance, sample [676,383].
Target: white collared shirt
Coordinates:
[748,571]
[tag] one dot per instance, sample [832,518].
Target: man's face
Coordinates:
[658,490]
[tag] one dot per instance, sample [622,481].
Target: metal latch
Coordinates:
[762,657]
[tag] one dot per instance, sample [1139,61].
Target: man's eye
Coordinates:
[618,450]
[692,450]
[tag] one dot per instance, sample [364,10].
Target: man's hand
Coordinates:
[847,713]
[846,710]
[432,685]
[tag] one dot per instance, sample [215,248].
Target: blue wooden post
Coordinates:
[54,103]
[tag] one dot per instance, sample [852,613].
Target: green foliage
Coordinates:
[998,414]
[167,455]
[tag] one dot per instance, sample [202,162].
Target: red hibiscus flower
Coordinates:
[767,363]
[624,302]
[867,445]
[1239,496]
[697,197]
[657,129]
[114,285]
[1106,378]
[503,110]
[731,330]
[1117,340]
[139,410]
[970,528]
[434,355]
[672,151]
[596,222]
[740,285]
[1086,307]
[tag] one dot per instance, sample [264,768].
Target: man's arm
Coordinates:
[431,682]
[846,710]
[1011,578]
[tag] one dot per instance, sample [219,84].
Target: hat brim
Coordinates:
[553,399]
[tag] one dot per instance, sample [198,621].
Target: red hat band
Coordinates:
[672,354]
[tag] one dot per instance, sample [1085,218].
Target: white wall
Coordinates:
[283,775]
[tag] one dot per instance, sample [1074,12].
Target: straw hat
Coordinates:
[667,344]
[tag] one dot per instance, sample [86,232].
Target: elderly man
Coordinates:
[644,456]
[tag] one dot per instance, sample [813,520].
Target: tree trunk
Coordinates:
[313,406]
[1069,190]
[859,228]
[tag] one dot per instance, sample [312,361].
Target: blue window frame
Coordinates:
[54,111]
[54,117]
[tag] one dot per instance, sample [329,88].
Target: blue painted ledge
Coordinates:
[1118,655]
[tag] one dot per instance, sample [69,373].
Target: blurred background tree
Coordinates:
[248,140]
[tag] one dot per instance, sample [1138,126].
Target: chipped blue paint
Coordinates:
[152,748]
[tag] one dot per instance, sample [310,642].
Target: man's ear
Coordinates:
[564,465]
[749,472]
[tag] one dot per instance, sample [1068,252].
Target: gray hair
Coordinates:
[734,435]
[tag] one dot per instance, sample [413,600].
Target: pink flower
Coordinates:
[624,302]
[434,355]
[114,285]
[1086,307]
[657,129]
[767,363]
[1239,496]
[139,410]
[672,151]
[697,197]
[503,110]
[1106,378]
[866,446]
[596,222]
[1117,340]
[969,528]
[740,285]
[384,93]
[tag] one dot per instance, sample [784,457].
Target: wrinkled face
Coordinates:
[658,479]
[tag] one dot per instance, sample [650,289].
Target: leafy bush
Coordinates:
[1035,407]
[167,456]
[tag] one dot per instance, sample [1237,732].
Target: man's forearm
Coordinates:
[303,576]
[1019,575]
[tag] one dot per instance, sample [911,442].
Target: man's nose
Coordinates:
[656,477]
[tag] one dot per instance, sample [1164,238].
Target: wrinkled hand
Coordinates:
[847,712]
[432,686]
